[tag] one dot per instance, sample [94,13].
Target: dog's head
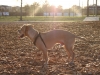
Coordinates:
[22,32]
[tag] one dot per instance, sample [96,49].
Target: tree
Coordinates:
[34,7]
[26,8]
[45,7]
[59,8]
[76,9]
[52,8]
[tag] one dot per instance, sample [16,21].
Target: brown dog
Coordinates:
[45,41]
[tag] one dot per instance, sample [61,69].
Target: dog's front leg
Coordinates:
[45,56]
[44,69]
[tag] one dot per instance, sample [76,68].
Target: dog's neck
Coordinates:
[32,33]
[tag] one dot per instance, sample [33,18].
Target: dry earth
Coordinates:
[21,57]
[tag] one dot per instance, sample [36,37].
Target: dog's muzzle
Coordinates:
[22,36]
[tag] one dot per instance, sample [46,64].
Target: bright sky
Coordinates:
[64,3]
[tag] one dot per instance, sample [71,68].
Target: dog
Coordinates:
[45,41]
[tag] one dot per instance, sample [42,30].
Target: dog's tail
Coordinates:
[82,38]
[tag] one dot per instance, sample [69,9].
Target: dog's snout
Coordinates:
[22,36]
[19,31]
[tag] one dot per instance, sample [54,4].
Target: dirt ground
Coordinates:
[21,57]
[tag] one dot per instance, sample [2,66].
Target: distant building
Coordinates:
[92,10]
[62,14]
[9,10]
[59,14]
[45,14]
[4,10]
[66,14]
[93,7]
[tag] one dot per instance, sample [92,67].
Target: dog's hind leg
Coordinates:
[72,54]
[68,53]
[69,45]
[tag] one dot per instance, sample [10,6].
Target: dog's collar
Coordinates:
[39,35]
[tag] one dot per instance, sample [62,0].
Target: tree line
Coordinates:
[36,9]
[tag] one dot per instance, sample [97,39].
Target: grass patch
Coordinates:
[41,18]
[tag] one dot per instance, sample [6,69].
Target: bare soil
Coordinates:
[21,57]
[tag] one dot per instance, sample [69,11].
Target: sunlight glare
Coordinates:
[60,2]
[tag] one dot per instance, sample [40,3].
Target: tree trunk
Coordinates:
[96,8]
[87,8]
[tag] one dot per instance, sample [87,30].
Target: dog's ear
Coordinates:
[32,26]
[23,29]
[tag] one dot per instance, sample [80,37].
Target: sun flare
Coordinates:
[60,2]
